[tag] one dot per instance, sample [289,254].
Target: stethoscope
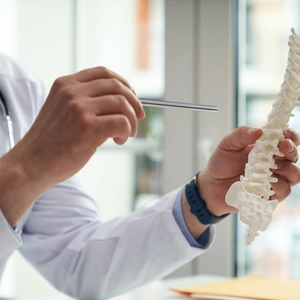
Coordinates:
[8,121]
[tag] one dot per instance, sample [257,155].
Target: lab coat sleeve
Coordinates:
[10,238]
[66,239]
[204,240]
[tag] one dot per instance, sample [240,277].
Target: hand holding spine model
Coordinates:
[251,194]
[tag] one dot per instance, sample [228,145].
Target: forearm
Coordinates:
[147,243]
[205,212]
[18,188]
[194,226]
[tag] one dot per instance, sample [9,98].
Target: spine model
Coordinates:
[251,194]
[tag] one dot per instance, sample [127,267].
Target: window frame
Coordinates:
[194,67]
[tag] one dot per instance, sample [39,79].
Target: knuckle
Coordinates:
[122,101]
[105,72]
[60,82]
[123,125]
[63,86]
[292,134]
[76,108]
[85,125]
[68,92]
[116,84]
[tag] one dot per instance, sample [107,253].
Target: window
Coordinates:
[129,41]
[264,28]
[180,60]
[60,37]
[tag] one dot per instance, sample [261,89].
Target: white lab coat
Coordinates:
[63,235]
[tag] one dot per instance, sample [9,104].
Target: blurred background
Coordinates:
[228,53]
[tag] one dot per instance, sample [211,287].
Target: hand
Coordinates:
[80,113]
[227,164]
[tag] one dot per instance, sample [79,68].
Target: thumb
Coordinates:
[240,138]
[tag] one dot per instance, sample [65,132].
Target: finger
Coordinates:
[289,171]
[119,141]
[92,74]
[113,105]
[104,86]
[293,135]
[240,138]
[281,188]
[98,73]
[112,86]
[113,126]
[289,150]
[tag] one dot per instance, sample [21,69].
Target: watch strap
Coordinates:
[198,205]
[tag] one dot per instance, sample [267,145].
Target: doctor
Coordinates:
[47,214]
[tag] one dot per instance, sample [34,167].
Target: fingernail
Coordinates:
[144,113]
[291,146]
[278,164]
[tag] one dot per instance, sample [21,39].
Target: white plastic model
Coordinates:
[251,194]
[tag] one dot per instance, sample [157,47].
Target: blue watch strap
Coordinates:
[198,205]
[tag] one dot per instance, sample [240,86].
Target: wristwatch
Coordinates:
[198,205]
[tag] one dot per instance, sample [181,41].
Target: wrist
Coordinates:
[198,206]
[192,223]
[212,195]
[13,182]
[19,188]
